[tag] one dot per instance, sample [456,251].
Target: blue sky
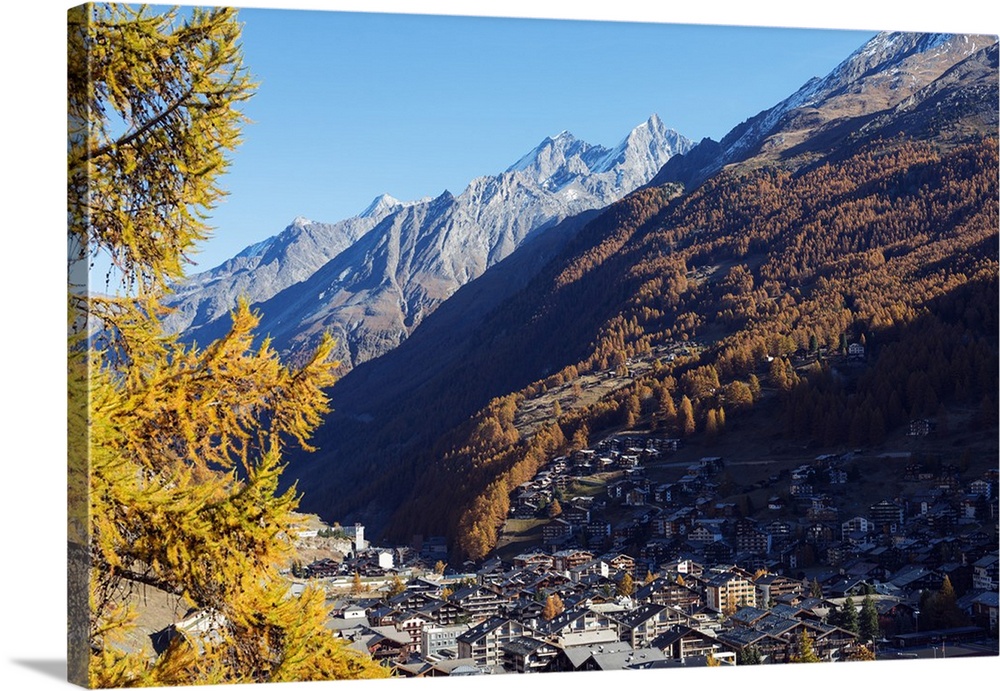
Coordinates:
[352,105]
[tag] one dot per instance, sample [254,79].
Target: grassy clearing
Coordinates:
[587,487]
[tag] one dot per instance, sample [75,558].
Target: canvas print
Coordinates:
[416,346]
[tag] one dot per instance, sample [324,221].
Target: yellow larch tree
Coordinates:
[175,452]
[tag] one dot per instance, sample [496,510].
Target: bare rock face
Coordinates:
[263,270]
[371,280]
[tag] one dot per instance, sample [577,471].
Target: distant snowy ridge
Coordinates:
[878,76]
[405,258]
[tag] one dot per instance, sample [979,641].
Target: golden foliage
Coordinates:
[897,240]
[553,607]
[174,472]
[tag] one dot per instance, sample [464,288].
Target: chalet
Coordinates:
[385,643]
[490,571]
[677,523]
[914,577]
[573,658]
[444,613]
[667,591]
[412,601]
[819,512]
[527,654]
[777,638]
[830,642]
[605,462]
[626,461]
[819,533]
[803,472]
[753,542]
[838,552]
[747,616]
[942,519]
[413,626]
[624,563]
[704,533]
[800,488]
[984,572]
[534,560]
[640,625]
[624,533]
[576,516]
[737,639]
[770,587]
[567,559]
[384,616]
[968,507]
[869,571]
[594,567]
[859,539]
[683,641]
[323,568]
[684,566]
[523,511]
[844,586]
[483,643]
[778,529]
[477,601]
[645,658]
[655,550]
[886,515]
[663,494]
[423,585]
[856,351]
[570,625]
[598,531]
[556,531]
[794,612]
[718,552]
[636,496]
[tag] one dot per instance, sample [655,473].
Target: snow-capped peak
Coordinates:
[650,139]
[380,205]
[561,142]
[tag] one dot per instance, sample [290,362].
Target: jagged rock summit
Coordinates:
[371,280]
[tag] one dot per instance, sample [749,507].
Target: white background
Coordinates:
[32,623]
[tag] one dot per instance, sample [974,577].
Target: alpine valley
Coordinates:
[821,277]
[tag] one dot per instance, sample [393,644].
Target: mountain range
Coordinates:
[861,202]
[863,205]
[373,278]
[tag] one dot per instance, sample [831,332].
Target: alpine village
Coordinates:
[727,403]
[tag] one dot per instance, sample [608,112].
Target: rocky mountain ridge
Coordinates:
[381,273]
[880,75]
[390,446]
